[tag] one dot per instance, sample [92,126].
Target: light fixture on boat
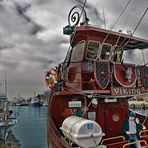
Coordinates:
[94,103]
[129,32]
[89,96]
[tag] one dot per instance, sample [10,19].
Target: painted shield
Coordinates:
[144,75]
[125,74]
[102,73]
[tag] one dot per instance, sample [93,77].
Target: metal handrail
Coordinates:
[138,141]
[111,138]
[144,131]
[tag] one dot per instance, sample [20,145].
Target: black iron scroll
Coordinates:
[75,15]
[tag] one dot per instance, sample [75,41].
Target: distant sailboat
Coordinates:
[7,117]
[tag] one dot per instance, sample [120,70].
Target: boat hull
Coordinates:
[5,127]
[55,136]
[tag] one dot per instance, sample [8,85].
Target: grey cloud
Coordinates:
[31,40]
[3,47]
[21,10]
[1,7]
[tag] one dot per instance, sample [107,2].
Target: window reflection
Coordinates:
[78,52]
[116,54]
[92,50]
[105,53]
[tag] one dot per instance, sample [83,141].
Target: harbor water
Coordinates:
[31,131]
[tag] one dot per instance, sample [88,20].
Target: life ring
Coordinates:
[51,78]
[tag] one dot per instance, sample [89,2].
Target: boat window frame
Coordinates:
[67,56]
[75,51]
[113,51]
[87,50]
[102,49]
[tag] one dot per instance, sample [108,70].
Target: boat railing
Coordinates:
[144,131]
[131,143]
[112,138]
[14,120]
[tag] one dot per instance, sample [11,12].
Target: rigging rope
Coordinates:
[104,21]
[126,43]
[121,14]
[135,29]
[145,119]
[117,20]
[128,14]
[143,57]
[124,27]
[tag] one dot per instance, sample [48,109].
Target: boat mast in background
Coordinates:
[5,68]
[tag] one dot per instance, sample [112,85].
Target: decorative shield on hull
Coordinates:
[125,74]
[144,76]
[102,73]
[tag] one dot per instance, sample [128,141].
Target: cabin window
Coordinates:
[105,53]
[116,53]
[92,50]
[78,52]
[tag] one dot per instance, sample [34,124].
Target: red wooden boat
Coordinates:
[90,89]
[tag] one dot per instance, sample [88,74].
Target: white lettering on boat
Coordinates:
[125,91]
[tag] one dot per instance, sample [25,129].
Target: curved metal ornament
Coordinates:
[144,76]
[102,73]
[75,15]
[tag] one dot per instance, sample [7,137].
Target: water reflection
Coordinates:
[32,127]
[11,142]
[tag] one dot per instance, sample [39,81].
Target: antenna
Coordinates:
[0,88]
[5,78]
[82,10]
[104,21]
[143,57]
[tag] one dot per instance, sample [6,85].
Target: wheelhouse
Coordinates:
[95,62]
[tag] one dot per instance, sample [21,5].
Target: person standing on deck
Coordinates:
[131,129]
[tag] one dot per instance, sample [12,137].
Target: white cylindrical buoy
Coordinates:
[85,133]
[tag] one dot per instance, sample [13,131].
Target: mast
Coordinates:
[5,79]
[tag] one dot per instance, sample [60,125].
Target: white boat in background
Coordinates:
[7,118]
[45,103]
[35,102]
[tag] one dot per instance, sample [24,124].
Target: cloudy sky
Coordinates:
[31,38]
